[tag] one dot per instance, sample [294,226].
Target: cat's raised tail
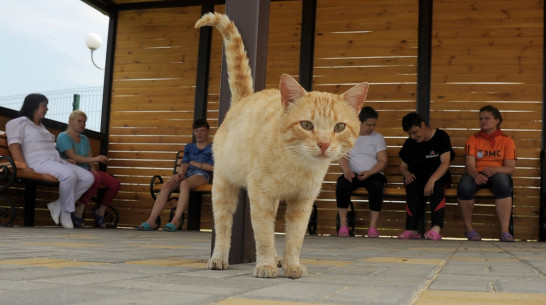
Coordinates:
[239,74]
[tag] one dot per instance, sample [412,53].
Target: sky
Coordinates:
[43,46]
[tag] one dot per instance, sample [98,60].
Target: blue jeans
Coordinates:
[500,184]
[197,171]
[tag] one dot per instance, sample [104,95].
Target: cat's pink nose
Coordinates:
[323,146]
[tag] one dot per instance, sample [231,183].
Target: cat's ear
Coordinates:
[290,90]
[356,96]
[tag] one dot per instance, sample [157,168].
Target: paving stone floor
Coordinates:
[51,265]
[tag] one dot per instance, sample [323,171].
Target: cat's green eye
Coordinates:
[306,125]
[339,127]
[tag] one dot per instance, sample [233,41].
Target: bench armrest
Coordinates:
[8,172]
[155,180]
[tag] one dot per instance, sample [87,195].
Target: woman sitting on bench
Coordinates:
[33,148]
[195,170]
[490,160]
[73,145]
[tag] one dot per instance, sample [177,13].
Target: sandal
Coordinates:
[99,220]
[145,227]
[409,235]
[472,236]
[433,235]
[169,227]
[78,222]
[343,232]
[506,237]
[372,233]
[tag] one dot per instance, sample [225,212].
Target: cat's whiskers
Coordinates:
[297,152]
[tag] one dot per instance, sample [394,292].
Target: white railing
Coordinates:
[62,103]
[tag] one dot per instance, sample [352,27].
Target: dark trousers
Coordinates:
[416,202]
[374,184]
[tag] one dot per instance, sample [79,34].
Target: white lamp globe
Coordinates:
[93,41]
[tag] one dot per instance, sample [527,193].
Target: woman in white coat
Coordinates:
[32,147]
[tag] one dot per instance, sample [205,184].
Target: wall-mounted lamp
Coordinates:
[93,42]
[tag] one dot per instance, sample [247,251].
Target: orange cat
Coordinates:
[278,144]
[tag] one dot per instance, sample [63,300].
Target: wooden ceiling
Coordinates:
[110,6]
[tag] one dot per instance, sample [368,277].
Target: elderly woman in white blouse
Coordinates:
[33,148]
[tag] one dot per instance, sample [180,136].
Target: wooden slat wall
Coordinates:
[283,46]
[376,42]
[153,94]
[490,52]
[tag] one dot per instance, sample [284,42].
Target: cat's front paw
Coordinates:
[265,271]
[295,272]
[216,263]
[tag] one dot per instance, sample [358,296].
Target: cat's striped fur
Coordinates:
[278,144]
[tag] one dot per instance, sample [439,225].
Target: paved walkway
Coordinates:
[48,265]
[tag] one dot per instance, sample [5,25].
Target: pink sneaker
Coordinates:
[372,233]
[409,235]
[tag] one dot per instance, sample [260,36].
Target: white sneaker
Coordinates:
[55,210]
[66,220]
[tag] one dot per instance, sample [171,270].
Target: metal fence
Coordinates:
[63,102]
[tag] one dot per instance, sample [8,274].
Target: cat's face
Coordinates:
[320,126]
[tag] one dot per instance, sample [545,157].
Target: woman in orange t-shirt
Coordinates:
[490,160]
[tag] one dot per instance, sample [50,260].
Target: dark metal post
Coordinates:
[252,20]
[423,71]
[542,211]
[76,102]
[423,59]
[203,64]
[307,43]
[108,78]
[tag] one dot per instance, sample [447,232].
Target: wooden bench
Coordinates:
[31,180]
[7,177]
[397,192]
[194,204]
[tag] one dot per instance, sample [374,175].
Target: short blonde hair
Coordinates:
[76,113]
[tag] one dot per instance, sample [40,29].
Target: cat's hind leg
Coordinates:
[224,203]
[263,210]
[296,220]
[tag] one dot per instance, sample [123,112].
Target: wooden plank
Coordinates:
[154,130]
[344,74]
[152,147]
[185,118]
[448,7]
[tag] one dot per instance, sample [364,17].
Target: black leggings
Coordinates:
[374,184]
[416,202]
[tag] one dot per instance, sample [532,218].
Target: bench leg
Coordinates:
[422,226]
[30,204]
[7,212]
[313,221]
[194,211]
